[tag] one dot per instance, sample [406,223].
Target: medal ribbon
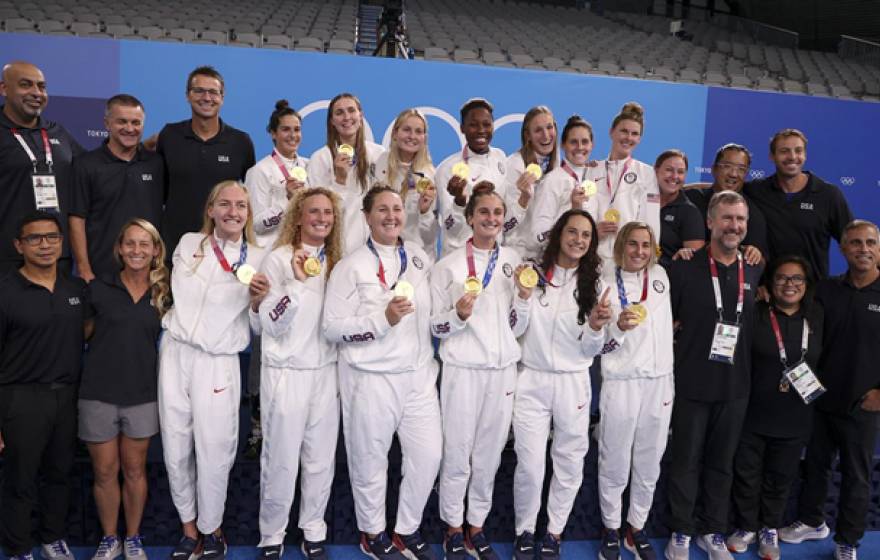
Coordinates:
[619,179]
[401,252]
[544,162]
[567,168]
[621,291]
[776,331]
[280,163]
[222,258]
[716,285]
[472,267]
[47,147]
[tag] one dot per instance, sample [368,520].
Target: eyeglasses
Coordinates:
[739,169]
[796,280]
[35,239]
[199,91]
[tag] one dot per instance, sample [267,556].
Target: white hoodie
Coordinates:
[266,185]
[553,199]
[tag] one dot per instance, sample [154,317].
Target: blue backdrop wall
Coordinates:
[81,73]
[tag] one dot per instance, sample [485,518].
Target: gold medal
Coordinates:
[589,187]
[535,170]
[299,174]
[658,251]
[461,170]
[639,310]
[404,289]
[245,273]
[612,215]
[473,285]
[422,185]
[528,277]
[346,150]
[312,266]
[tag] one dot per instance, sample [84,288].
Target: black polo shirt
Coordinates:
[849,362]
[16,186]
[756,234]
[120,365]
[41,332]
[693,304]
[193,166]
[772,412]
[108,191]
[680,221]
[803,223]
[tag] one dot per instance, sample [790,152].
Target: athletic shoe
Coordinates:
[213,547]
[637,542]
[714,545]
[678,547]
[313,550]
[799,532]
[271,552]
[413,546]
[610,549]
[477,545]
[57,550]
[524,546]
[549,548]
[186,549]
[454,548]
[844,552]
[134,548]
[25,556]
[740,540]
[768,547]
[380,548]
[108,549]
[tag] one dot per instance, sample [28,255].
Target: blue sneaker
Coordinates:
[454,548]
[57,550]
[133,548]
[313,550]
[108,549]
[380,548]
[477,545]
[186,549]
[25,556]
[524,547]
[637,542]
[272,552]
[213,547]
[610,549]
[414,546]
[549,548]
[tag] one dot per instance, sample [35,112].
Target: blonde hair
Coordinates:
[291,227]
[208,224]
[421,163]
[631,111]
[360,143]
[623,237]
[159,278]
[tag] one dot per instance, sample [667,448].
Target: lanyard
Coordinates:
[242,258]
[621,291]
[716,285]
[619,179]
[46,147]
[804,339]
[567,168]
[401,252]
[544,162]
[280,163]
[472,267]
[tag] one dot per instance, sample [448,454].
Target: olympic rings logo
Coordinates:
[848,181]
[756,173]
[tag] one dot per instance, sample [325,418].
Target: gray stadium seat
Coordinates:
[310,44]
[278,40]
[183,34]
[218,37]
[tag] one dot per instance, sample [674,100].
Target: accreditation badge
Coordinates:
[804,382]
[45,192]
[724,342]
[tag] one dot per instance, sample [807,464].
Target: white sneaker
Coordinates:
[714,545]
[768,547]
[844,552]
[678,547]
[134,548]
[108,549]
[740,540]
[57,550]
[799,532]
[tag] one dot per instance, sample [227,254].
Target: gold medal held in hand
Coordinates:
[312,266]
[422,185]
[346,150]
[640,310]
[461,170]
[473,285]
[612,215]
[404,289]
[589,187]
[534,170]
[299,174]
[528,277]
[245,273]
[658,251]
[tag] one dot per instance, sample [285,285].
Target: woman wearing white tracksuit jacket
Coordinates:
[377,310]
[637,388]
[480,308]
[566,330]
[298,390]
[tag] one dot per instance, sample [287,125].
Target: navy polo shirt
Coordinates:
[680,221]
[756,234]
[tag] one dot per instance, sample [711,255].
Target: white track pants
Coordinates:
[374,407]
[541,397]
[300,417]
[199,397]
[633,433]
[477,406]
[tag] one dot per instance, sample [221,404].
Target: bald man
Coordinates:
[35,158]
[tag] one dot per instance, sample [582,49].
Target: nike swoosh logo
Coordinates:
[271,553]
[389,549]
[667,403]
[220,390]
[547,550]
[581,406]
[483,549]
[507,394]
[420,546]
[525,548]
[457,548]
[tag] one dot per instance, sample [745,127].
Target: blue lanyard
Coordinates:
[621,291]
[401,252]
